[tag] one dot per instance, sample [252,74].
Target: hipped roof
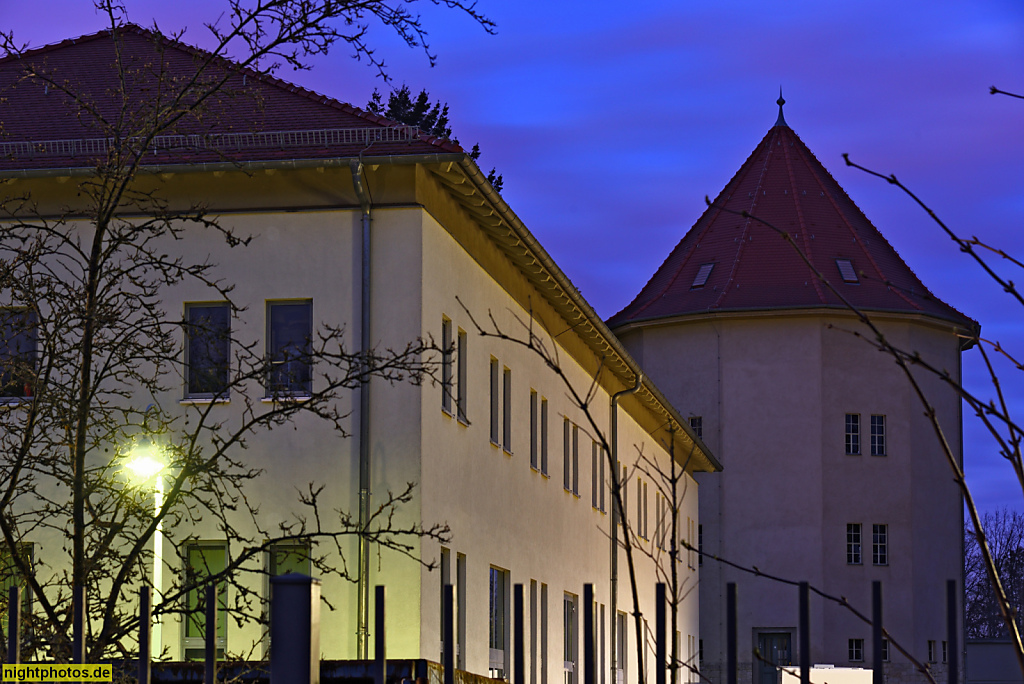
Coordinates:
[731,263]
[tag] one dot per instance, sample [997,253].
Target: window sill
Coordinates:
[296,399]
[507,451]
[199,401]
[15,401]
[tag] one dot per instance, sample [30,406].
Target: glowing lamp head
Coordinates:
[144,461]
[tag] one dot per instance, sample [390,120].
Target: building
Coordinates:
[833,475]
[496,448]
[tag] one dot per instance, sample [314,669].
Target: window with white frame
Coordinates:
[855,649]
[697,425]
[569,638]
[853,434]
[879,544]
[19,350]
[290,348]
[498,623]
[853,544]
[877,435]
[621,648]
[931,651]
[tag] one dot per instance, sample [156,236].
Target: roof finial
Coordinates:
[781,120]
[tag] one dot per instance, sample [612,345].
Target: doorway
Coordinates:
[775,649]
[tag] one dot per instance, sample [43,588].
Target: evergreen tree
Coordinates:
[429,118]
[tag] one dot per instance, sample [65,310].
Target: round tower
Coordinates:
[832,474]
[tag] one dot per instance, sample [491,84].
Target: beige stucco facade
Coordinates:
[773,389]
[431,260]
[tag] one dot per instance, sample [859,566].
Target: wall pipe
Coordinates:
[616,513]
[363,582]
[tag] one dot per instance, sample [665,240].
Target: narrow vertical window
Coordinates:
[543,633]
[659,520]
[700,545]
[931,651]
[566,456]
[569,638]
[593,475]
[544,436]
[460,611]
[601,458]
[204,559]
[19,348]
[647,534]
[621,650]
[447,355]
[879,544]
[639,507]
[494,401]
[885,650]
[290,348]
[498,623]
[945,651]
[576,460]
[878,435]
[697,425]
[506,423]
[462,389]
[10,577]
[534,451]
[208,349]
[533,631]
[853,434]
[853,544]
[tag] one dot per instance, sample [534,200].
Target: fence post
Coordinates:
[14,626]
[730,631]
[805,633]
[210,675]
[294,629]
[951,632]
[519,656]
[380,660]
[145,633]
[877,676]
[588,634]
[449,634]
[659,633]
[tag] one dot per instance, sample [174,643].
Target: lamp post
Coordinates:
[145,464]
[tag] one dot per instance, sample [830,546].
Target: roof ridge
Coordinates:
[808,249]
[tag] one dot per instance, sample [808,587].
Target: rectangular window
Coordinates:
[207,349]
[534,427]
[621,649]
[885,650]
[878,435]
[700,652]
[462,389]
[533,631]
[646,529]
[931,651]
[879,544]
[700,545]
[945,651]
[659,520]
[566,455]
[853,544]
[853,434]
[597,475]
[495,415]
[10,577]
[498,629]
[856,650]
[283,558]
[204,559]
[544,436]
[290,348]
[697,425]
[506,431]
[460,611]
[569,634]
[543,633]
[576,460]
[447,357]
[19,348]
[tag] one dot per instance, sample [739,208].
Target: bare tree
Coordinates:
[1004,531]
[90,352]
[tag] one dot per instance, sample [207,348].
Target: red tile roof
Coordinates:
[730,263]
[42,128]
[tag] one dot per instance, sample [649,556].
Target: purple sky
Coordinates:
[611,122]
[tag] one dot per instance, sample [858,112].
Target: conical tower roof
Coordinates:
[728,263]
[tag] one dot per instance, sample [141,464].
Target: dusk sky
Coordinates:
[611,122]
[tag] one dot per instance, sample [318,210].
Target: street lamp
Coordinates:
[145,464]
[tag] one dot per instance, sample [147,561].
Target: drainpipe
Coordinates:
[363,582]
[613,600]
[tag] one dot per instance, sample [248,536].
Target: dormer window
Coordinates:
[846,271]
[702,276]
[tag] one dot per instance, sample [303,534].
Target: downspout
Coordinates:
[616,513]
[363,581]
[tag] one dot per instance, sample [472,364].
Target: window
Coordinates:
[853,544]
[506,432]
[597,476]
[856,650]
[878,435]
[853,434]
[697,425]
[702,276]
[544,436]
[208,349]
[931,651]
[847,271]
[885,650]
[462,388]
[494,401]
[498,630]
[447,356]
[945,651]
[700,545]
[10,576]
[204,559]
[641,509]
[543,633]
[880,544]
[18,352]
[290,347]
[283,558]
[621,650]
[575,460]
[660,504]
[700,652]
[571,456]
[534,430]
[569,633]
